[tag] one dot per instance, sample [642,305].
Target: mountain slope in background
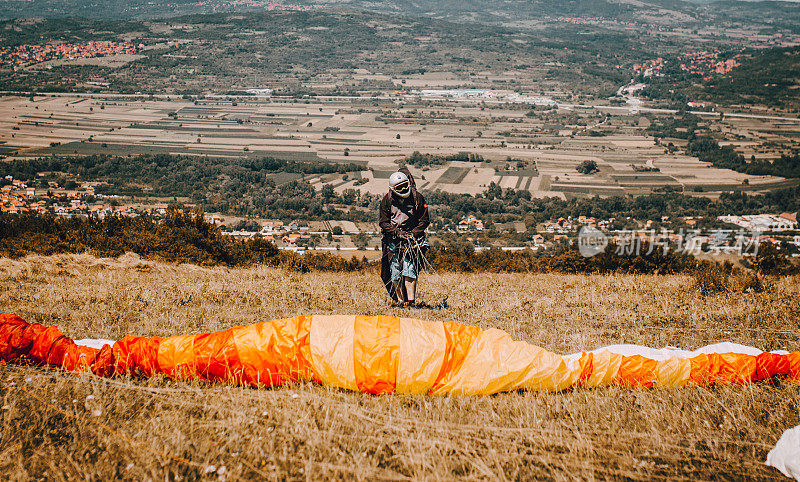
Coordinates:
[518,12]
[486,11]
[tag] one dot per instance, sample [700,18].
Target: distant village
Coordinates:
[16,197]
[265,4]
[752,230]
[706,63]
[30,53]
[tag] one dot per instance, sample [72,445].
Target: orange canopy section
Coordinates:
[383,354]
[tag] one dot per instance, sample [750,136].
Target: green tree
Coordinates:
[587,167]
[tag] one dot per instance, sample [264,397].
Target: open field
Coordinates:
[545,146]
[57,426]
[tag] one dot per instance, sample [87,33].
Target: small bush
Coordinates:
[748,282]
[711,278]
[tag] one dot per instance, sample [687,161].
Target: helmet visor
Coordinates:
[402,188]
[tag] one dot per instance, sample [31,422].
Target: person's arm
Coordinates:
[385,216]
[424,217]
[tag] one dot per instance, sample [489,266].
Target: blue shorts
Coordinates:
[404,261]
[402,264]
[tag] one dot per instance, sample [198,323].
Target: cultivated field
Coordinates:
[546,145]
[57,426]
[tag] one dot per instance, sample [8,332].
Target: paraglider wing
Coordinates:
[384,354]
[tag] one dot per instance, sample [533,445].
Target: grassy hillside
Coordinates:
[106,9]
[70,427]
[767,77]
[452,9]
[221,52]
[667,12]
[770,77]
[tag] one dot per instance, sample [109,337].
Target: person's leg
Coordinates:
[396,268]
[399,290]
[410,279]
[411,289]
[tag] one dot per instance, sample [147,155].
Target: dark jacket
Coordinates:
[404,214]
[409,214]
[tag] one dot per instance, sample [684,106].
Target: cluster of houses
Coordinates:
[569,224]
[16,197]
[764,222]
[650,68]
[31,53]
[707,63]
[268,5]
[469,223]
[290,234]
[689,240]
[694,242]
[297,235]
[78,207]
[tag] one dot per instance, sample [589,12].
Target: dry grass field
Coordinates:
[57,426]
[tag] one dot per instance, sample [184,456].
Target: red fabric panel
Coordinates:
[11,329]
[104,362]
[266,354]
[459,339]
[587,366]
[721,369]
[793,360]
[80,358]
[136,355]
[636,371]
[21,341]
[376,350]
[47,348]
[216,357]
[17,337]
[770,365]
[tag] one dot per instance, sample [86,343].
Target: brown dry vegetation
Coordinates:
[156,429]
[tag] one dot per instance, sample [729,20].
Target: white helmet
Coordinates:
[399,184]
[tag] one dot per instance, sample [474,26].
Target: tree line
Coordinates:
[417,159]
[248,187]
[266,186]
[508,204]
[725,157]
[186,237]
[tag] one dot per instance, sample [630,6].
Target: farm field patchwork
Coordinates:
[379,133]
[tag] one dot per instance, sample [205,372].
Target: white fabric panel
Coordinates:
[672,352]
[94,343]
[786,454]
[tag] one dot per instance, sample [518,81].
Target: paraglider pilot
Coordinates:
[403,219]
